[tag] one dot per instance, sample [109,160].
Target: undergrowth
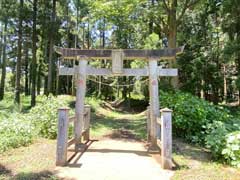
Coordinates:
[203,123]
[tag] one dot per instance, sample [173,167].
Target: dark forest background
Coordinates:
[209,29]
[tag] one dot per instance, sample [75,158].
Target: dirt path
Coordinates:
[111,159]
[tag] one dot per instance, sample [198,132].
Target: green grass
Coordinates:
[7,105]
[195,163]
[104,122]
[36,161]
[135,126]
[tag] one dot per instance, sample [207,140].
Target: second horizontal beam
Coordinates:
[126,72]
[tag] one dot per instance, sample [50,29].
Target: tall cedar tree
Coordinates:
[4,56]
[51,44]
[34,53]
[19,54]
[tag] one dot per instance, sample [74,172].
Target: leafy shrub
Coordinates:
[191,115]
[200,122]
[20,129]
[15,132]
[224,141]
[44,115]
[215,139]
[231,152]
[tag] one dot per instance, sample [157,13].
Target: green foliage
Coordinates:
[200,122]
[15,132]
[231,152]
[238,82]
[44,115]
[20,129]
[215,140]
[191,115]
[152,41]
[223,140]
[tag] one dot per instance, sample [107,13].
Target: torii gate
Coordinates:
[117,56]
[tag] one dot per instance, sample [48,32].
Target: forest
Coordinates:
[30,31]
[205,97]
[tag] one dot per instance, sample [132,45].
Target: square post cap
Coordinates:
[165,110]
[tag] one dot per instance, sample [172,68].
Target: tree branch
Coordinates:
[30,1]
[183,11]
[166,6]
[165,26]
[187,5]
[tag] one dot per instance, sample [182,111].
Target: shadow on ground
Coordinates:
[131,105]
[191,151]
[6,174]
[186,156]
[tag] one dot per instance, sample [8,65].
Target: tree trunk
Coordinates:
[172,36]
[224,83]
[124,91]
[99,87]
[76,45]
[19,56]
[73,82]
[89,35]
[34,54]
[30,78]
[118,88]
[238,68]
[151,19]
[76,36]
[27,91]
[39,80]
[83,38]
[57,88]
[103,34]
[103,61]
[45,91]
[46,45]
[1,44]
[2,85]
[172,22]
[51,44]
[237,62]
[202,93]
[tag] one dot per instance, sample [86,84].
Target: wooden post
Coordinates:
[148,124]
[80,96]
[86,136]
[166,138]
[154,100]
[62,136]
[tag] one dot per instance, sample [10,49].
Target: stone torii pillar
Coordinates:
[80,97]
[154,101]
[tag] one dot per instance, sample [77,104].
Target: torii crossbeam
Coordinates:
[71,53]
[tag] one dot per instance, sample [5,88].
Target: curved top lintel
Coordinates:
[168,53]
